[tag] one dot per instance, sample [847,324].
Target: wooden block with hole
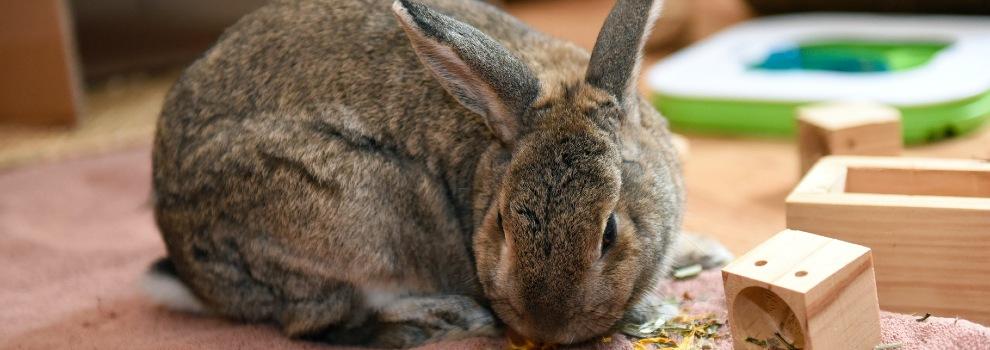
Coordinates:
[847,128]
[926,220]
[815,292]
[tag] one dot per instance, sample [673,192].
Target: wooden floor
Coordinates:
[736,186]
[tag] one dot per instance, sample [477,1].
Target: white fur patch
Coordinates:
[376,298]
[169,291]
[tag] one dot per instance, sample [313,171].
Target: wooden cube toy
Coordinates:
[847,128]
[926,220]
[810,291]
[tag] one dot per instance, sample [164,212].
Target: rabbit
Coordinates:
[389,174]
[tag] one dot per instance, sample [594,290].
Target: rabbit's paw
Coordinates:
[693,249]
[413,321]
[652,307]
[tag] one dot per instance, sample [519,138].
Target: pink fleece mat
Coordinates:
[76,236]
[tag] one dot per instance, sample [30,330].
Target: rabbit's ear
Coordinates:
[615,61]
[475,69]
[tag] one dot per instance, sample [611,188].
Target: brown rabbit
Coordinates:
[363,172]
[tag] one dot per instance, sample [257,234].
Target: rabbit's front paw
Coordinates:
[413,321]
[693,249]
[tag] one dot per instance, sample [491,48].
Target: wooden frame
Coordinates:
[39,71]
[811,291]
[926,220]
[847,128]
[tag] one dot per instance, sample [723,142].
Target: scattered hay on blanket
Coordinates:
[674,330]
[683,333]
[671,329]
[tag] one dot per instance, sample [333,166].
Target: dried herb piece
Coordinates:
[518,342]
[924,318]
[530,345]
[890,346]
[790,346]
[662,341]
[760,342]
[688,271]
[687,343]
[777,342]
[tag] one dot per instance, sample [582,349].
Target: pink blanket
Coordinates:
[76,236]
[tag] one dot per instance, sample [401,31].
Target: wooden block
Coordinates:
[816,292]
[926,220]
[39,79]
[847,128]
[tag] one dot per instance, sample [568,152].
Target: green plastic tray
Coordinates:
[920,123]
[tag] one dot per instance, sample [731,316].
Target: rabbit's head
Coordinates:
[587,199]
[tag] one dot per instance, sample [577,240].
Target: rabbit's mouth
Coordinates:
[507,312]
[514,318]
[560,329]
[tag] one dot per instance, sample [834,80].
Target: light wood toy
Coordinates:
[847,128]
[40,78]
[811,291]
[926,220]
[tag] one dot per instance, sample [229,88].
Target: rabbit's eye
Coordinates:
[609,236]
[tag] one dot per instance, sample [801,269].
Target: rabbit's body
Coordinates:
[303,129]
[310,169]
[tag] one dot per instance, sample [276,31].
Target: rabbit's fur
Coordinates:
[384,174]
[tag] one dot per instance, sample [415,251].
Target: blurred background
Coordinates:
[82,83]
[88,77]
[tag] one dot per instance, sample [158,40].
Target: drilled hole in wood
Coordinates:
[801,273]
[761,263]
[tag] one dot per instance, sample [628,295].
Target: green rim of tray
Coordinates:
[921,124]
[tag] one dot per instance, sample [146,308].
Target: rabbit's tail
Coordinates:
[162,284]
